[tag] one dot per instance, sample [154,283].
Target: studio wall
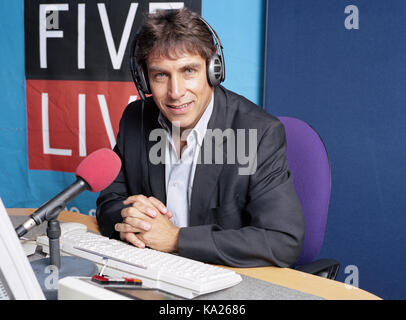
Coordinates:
[341,67]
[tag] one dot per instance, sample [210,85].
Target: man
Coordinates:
[197,202]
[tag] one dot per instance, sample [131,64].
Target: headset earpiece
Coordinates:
[137,72]
[215,70]
[143,79]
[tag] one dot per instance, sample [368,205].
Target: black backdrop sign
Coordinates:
[85,41]
[77,74]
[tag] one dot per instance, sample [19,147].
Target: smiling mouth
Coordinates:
[179,107]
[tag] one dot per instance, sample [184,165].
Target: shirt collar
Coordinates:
[201,126]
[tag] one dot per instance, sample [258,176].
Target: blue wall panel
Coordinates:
[19,186]
[349,84]
[240,25]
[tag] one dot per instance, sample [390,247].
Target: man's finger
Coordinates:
[125,227]
[137,223]
[150,203]
[158,204]
[134,198]
[133,239]
[143,204]
[137,212]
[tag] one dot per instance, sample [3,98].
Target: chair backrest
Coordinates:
[309,164]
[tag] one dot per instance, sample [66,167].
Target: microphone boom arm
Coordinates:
[51,209]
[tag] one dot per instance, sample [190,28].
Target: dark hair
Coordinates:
[172,32]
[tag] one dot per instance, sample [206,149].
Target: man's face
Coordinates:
[179,87]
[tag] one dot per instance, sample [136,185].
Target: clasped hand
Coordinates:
[146,223]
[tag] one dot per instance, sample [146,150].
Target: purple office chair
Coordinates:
[309,163]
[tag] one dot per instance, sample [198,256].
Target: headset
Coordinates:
[215,68]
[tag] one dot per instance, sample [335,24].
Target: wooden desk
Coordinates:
[293,279]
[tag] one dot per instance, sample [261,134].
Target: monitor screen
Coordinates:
[17,279]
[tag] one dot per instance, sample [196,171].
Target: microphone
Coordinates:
[95,173]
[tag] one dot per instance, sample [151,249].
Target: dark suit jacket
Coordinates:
[237,220]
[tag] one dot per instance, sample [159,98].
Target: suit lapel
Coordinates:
[206,175]
[156,172]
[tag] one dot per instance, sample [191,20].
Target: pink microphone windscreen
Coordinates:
[99,169]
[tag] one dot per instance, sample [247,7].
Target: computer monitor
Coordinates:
[17,279]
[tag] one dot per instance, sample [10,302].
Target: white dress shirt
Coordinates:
[180,171]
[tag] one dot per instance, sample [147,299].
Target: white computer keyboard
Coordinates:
[171,273]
